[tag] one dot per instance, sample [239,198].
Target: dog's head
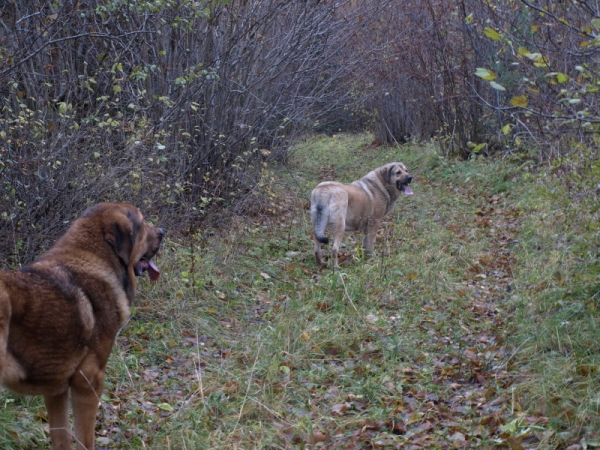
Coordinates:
[133,240]
[396,174]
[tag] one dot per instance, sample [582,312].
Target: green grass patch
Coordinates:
[558,296]
[474,325]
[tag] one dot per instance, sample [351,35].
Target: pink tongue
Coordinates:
[407,190]
[153,271]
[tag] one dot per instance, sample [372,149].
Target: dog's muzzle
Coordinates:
[403,185]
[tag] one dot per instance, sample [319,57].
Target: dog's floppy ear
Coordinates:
[120,234]
[388,172]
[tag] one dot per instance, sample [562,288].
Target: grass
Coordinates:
[558,272]
[475,325]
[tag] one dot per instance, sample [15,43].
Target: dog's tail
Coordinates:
[320,223]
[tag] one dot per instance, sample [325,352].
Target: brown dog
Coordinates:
[60,315]
[358,206]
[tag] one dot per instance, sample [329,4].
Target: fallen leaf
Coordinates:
[166,407]
[315,438]
[471,355]
[514,444]
[340,408]
[371,318]
[457,437]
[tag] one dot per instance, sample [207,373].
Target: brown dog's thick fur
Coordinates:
[358,206]
[60,315]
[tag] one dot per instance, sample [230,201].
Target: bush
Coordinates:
[173,106]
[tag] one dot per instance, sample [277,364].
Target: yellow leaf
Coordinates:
[116,89]
[534,28]
[305,336]
[497,86]
[491,33]
[486,74]
[534,56]
[469,18]
[478,147]
[520,101]
[506,129]
[522,51]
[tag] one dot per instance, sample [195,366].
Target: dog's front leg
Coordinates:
[370,235]
[85,398]
[58,419]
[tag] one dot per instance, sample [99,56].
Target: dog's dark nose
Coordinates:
[161,232]
[409,179]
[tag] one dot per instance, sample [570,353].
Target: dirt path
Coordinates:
[450,247]
[464,400]
[472,364]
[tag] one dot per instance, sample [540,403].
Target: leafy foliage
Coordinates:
[173,106]
[464,71]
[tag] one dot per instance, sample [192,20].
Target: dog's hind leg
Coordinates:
[5,311]
[58,420]
[319,218]
[86,389]
[339,227]
[318,256]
